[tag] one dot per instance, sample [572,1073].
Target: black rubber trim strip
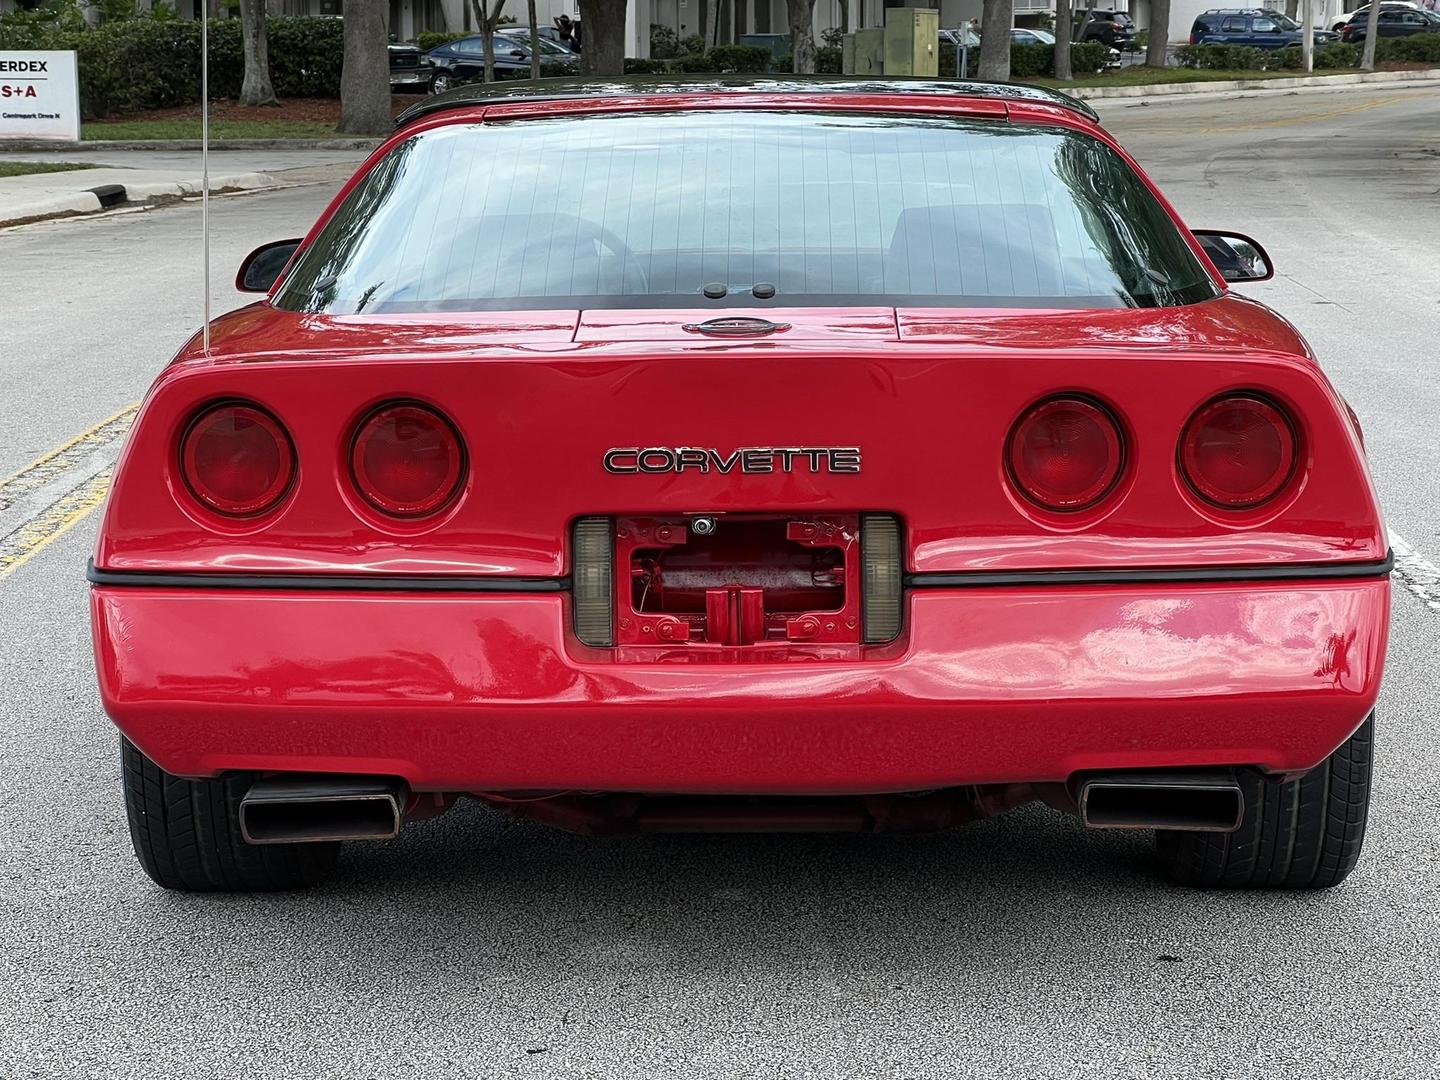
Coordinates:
[928,580]
[322,582]
[1156,575]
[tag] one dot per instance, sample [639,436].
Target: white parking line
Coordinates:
[1420,575]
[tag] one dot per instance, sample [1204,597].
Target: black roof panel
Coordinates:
[480,94]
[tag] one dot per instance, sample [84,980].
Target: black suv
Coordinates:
[1256,27]
[1114,28]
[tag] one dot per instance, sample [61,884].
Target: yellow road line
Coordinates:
[63,458]
[40,532]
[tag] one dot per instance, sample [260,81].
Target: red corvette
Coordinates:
[745,454]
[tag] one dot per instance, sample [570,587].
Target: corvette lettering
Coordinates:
[751,459]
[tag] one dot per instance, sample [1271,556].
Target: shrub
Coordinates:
[1030,61]
[433,39]
[828,60]
[742,58]
[1287,59]
[1221,57]
[636,65]
[694,45]
[664,43]
[1086,58]
[1418,48]
[695,63]
[832,38]
[784,64]
[305,56]
[1337,55]
[138,64]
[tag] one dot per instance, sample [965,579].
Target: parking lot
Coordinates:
[480,946]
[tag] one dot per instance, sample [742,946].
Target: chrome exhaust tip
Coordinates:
[312,809]
[1199,802]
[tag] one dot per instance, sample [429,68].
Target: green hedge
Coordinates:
[140,64]
[1221,57]
[828,61]
[636,65]
[1418,48]
[433,39]
[750,59]
[1030,61]
[1337,55]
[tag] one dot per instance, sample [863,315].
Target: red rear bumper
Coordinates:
[488,693]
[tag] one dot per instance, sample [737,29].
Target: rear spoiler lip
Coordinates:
[498,583]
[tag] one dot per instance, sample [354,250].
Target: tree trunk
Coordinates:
[1291,7]
[1064,31]
[1372,31]
[710,16]
[997,16]
[602,48]
[257,88]
[365,71]
[487,20]
[1159,33]
[802,35]
[534,43]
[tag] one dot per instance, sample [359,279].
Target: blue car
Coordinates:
[1256,27]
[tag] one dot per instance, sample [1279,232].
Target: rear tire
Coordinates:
[1300,834]
[187,834]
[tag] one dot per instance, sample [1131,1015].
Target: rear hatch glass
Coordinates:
[733,208]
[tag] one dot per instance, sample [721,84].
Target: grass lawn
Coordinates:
[25,168]
[220,130]
[1139,75]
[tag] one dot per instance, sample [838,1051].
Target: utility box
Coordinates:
[869,52]
[912,41]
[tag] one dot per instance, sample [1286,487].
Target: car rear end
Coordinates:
[857,465]
[408,68]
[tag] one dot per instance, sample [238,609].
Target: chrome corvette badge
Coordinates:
[750,459]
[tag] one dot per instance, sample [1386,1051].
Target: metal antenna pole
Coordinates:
[205,161]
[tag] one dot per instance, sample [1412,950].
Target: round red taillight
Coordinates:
[1238,451]
[237,460]
[407,460]
[1065,453]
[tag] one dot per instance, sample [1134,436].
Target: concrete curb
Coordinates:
[1398,79]
[69,204]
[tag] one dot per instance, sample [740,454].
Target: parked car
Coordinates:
[1256,27]
[1024,35]
[1394,22]
[561,469]
[961,35]
[547,33]
[463,61]
[408,69]
[1339,25]
[1114,28]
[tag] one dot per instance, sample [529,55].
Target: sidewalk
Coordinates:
[1398,80]
[142,176]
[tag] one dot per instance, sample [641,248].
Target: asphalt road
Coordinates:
[476,946]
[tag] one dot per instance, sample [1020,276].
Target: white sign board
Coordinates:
[39,96]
